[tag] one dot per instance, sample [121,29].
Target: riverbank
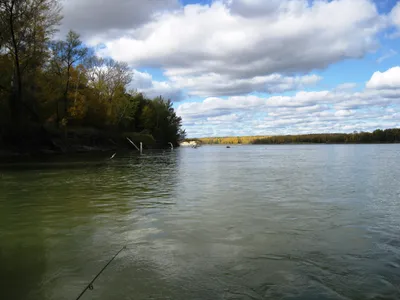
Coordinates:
[72,141]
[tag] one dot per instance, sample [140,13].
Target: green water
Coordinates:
[250,222]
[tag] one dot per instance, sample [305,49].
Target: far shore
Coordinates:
[378,136]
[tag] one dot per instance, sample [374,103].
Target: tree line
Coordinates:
[233,140]
[53,87]
[391,135]
[378,136]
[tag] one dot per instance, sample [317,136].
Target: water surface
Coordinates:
[250,222]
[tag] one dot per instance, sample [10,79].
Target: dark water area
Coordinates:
[250,222]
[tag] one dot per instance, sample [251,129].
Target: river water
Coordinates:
[250,222]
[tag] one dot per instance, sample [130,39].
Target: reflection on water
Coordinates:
[250,222]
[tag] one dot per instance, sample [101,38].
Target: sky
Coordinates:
[255,67]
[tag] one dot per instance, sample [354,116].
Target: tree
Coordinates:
[159,118]
[108,80]
[107,76]
[65,55]
[43,82]
[379,135]
[26,27]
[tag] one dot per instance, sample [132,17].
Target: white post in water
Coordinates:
[132,143]
[172,146]
[141,147]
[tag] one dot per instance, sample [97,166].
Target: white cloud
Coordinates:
[385,80]
[143,82]
[301,99]
[215,85]
[289,112]
[212,107]
[224,119]
[256,8]
[344,113]
[395,15]
[394,19]
[237,47]
[207,85]
[278,106]
[226,40]
[110,19]
[338,110]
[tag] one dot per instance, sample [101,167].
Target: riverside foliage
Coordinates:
[53,87]
[377,136]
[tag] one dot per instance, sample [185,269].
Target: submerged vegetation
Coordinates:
[377,136]
[55,93]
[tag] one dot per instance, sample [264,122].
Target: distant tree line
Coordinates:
[377,136]
[53,87]
[233,140]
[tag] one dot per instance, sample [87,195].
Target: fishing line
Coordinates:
[90,285]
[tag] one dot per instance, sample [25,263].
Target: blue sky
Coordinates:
[247,67]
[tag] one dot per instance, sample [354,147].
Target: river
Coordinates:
[249,222]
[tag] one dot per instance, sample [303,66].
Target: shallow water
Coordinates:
[250,222]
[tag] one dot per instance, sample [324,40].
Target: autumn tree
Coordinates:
[44,83]
[159,118]
[26,27]
[65,55]
[108,79]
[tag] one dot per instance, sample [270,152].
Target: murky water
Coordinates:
[250,222]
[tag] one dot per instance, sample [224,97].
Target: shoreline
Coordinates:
[74,141]
[297,144]
[45,152]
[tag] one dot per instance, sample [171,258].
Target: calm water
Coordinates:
[250,222]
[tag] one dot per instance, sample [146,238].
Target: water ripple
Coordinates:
[286,222]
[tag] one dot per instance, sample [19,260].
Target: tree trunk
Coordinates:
[57,112]
[66,92]
[16,98]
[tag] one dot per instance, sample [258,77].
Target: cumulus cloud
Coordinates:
[207,85]
[239,40]
[110,18]
[224,119]
[344,113]
[301,103]
[385,80]
[143,82]
[214,106]
[395,18]
[231,48]
[255,8]
[338,110]
[301,99]
[210,85]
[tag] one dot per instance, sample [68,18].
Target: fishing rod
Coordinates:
[90,285]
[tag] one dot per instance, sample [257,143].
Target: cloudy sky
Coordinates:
[250,67]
